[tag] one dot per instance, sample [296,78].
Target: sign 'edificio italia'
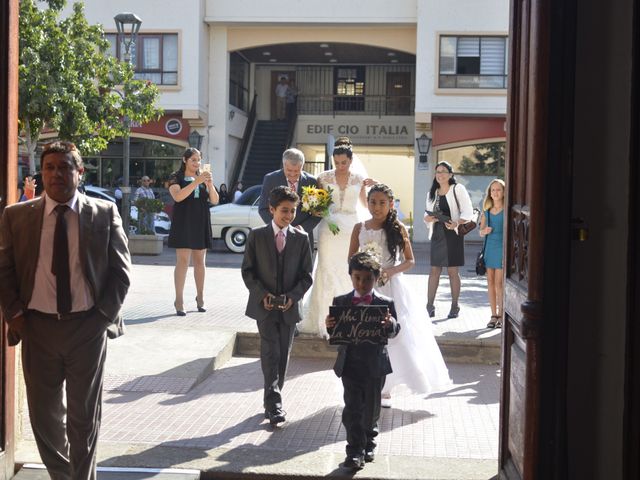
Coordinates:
[363,130]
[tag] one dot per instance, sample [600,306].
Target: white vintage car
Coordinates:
[233,221]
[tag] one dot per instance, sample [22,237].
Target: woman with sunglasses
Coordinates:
[448,206]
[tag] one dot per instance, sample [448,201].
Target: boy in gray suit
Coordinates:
[277,271]
[363,367]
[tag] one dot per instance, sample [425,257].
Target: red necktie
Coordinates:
[366,300]
[60,263]
[292,185]
[280,241]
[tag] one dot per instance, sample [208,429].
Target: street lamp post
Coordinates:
[128,24]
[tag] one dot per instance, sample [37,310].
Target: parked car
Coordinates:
[99,192]
[161,224]
[234,221]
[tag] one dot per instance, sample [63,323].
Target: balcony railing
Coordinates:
[380,105]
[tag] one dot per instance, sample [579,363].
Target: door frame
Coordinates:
[8,194]
[631,467]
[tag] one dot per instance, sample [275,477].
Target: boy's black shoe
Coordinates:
[355,462]
[369,456]
[276,416]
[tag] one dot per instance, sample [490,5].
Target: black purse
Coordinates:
[481,267]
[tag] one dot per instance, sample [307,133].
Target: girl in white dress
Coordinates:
[415,356]
[331,273]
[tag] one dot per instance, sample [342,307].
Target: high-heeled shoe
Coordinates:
[180,313]
[431,310]
[200,306]
[453,313]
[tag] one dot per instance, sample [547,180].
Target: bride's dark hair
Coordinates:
[342,146]
[392,226]
[342,142]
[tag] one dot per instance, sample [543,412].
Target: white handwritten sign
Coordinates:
[358,324]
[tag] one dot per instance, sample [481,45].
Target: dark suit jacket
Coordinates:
[377,357]
[103,247]
[277,178]
[260,267]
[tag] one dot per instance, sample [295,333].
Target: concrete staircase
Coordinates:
[265,155]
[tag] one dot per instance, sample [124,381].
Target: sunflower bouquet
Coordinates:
[316,201]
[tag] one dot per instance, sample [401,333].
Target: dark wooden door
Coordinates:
[398,93]
[8,194]
[538,240]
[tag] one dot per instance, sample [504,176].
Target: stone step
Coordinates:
[456,348]
[38,472]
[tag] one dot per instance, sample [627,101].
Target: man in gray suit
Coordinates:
[64,274]
[290,175]
[277,272]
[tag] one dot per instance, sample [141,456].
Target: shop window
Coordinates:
[154,56]
[475,166]
[473,62]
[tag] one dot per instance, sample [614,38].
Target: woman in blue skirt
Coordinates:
[492,226]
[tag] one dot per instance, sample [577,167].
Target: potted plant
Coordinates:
[145,241]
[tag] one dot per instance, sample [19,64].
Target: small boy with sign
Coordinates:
[363,365]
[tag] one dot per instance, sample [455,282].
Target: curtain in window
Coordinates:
[492,61]
[151,54]
[468,47]
[448,55]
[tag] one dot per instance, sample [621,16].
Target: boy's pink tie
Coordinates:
[280,241]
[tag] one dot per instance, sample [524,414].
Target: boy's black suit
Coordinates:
[264,270]
[363,369]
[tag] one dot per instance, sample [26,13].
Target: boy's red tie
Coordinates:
[366,300]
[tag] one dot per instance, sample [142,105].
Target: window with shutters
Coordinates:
[473,62]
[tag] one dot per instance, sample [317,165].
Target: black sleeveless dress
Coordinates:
[191,222]
[447,247]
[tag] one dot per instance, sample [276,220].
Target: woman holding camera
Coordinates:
[448,207]
[190,234]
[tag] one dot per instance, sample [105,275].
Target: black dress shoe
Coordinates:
[431,310]
[369,456]
[355,462]
[453,313]
[200,306]
[180,313]
[277,416]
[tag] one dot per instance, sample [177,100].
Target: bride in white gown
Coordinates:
[415,356]
[331,273]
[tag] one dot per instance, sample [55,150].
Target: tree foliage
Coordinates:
[69,83]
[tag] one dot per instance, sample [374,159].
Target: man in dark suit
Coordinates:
[363,367]
[277,271]
[64,274]
[290,175]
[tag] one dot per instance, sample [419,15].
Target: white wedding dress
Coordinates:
[331,268]
[415,356]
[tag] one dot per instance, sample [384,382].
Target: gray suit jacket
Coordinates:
[277,178]
[376,356]
[103,247]
[260,267]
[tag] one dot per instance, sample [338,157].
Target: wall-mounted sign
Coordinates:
[173,126]
[363,130]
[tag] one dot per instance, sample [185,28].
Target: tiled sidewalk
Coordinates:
[225,411]
[222,416]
